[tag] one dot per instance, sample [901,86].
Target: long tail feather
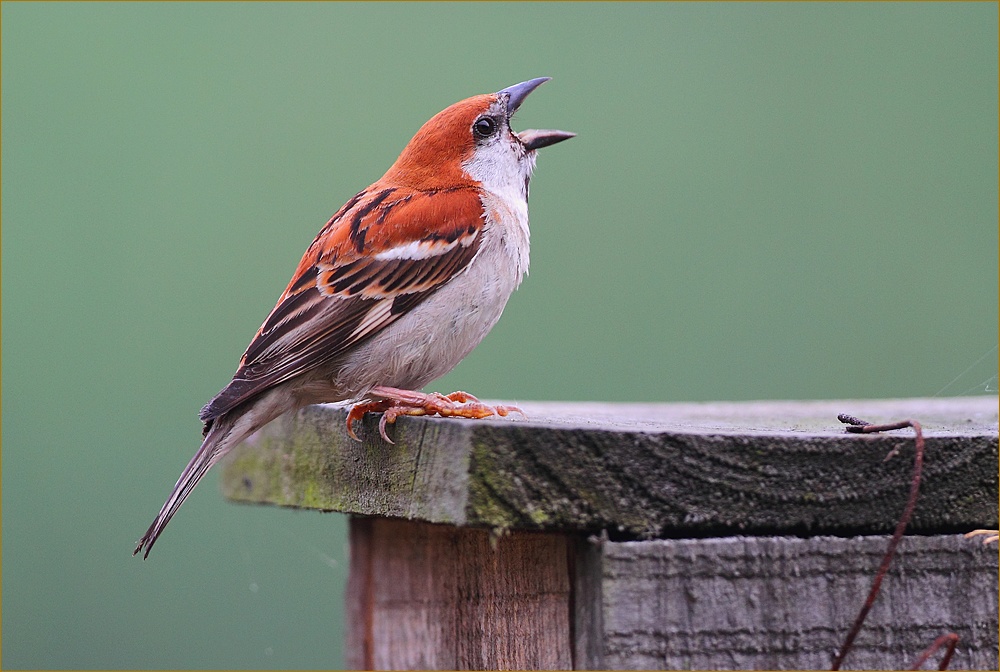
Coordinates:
[216,444]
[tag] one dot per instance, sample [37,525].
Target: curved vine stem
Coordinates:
[861,427]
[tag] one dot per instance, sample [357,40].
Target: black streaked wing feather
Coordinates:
[317,324]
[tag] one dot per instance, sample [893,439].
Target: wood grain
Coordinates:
[638,471]
[510,581]
[436,597]
[448,598]
[785,603]
[360,635]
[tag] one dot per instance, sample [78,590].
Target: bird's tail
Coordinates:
[218,441]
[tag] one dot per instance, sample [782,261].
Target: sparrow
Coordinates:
[397,288]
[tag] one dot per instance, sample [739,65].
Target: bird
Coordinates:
[401,283]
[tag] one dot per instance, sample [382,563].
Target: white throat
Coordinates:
[503,169]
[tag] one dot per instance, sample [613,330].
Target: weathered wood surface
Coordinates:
[783,603]
[638,470]
[440,597]
[424,596]
[511,580]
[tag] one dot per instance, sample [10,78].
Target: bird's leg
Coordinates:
[395,402]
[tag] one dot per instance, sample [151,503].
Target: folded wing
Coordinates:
[382,254]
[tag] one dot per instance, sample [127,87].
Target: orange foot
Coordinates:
[394,402]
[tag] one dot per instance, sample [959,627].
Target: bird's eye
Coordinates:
[484,127]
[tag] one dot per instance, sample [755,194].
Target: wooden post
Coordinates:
[445,597]
[659,536]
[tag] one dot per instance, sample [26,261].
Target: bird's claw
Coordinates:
[394,402]
[358,411]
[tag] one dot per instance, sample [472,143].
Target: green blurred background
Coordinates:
[764,201]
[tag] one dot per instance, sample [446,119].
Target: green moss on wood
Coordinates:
[489,487]
[511,475]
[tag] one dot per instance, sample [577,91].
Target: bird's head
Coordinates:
[472,142]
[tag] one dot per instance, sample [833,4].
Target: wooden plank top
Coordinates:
[638,470]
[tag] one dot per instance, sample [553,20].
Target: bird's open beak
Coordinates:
[517,93]
[531,139]
[535,139]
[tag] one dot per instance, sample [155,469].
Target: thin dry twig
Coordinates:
[950,639]
[857,426]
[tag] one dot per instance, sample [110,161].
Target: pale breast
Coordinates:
[431,340]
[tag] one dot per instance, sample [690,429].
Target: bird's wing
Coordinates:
[384,252]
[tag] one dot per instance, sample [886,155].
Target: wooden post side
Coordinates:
[443,597]
[588,605]
[358,596]
[783,603]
